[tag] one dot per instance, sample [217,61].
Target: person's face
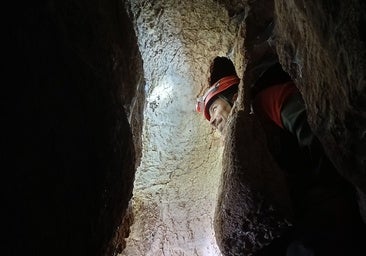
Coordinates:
[219,112]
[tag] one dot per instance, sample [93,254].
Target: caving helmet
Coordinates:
[217,89]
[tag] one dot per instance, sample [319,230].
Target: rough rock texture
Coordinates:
[254,204]
[72,100]
[176,184]
[322,45]
[325,53]
[69,153]
[176,188]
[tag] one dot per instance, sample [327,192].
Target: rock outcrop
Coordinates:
[73,69]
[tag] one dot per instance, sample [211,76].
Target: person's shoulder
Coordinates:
[270,75]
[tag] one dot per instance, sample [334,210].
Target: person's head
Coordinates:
[219,111]
[217,102]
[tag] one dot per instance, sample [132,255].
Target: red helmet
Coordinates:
[223,84]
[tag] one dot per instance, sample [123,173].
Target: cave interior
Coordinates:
[103,150]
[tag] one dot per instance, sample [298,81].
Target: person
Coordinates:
[327,220]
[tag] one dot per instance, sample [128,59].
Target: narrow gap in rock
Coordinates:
[176,185]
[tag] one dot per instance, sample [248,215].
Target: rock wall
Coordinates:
[176,184]
[322,45]
[72,69]
[73,98]
[254,206]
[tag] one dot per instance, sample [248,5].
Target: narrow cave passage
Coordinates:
[72,105]
[177,181]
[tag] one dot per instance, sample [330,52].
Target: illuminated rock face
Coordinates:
[73,121]
[243,172]
[176,185]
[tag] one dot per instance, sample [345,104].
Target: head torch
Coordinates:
[204,102]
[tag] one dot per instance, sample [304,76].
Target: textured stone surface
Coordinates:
[74,91]
[254,204]
[322,45]
[176,184]
[176,140]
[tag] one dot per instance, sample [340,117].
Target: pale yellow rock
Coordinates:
[176,185]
